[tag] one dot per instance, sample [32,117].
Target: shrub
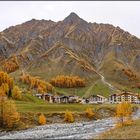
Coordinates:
[68,117]
[90,113]
[128,122]
[42,119]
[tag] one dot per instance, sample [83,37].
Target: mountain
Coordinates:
[72,46]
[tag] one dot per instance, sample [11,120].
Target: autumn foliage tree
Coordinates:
[10,116]
[89,113]
[11,64]
[68,81]
[123,113]
[68,117]
[36,83]
[6,82]
[16,93]
[3,97]
[130,74]
[42,119]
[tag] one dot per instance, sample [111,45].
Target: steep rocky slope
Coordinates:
[82,48]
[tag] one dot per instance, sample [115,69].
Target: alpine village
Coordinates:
[69,79]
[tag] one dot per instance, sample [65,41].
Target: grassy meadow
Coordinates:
[33,104]
[125,132]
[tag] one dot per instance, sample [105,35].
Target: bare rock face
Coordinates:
[86,45]
[72,19]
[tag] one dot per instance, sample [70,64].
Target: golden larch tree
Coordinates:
[11,117]
[3,97]
[16,93]
[68,81]
[68,117]
[42,119]
[123,113]
[90,113]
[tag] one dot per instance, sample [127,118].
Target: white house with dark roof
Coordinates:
[73,99]
[97,99]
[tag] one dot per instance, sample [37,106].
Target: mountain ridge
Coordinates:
[87,43]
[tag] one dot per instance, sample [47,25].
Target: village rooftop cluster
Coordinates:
[93,99]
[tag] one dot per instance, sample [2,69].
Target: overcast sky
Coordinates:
[125,14]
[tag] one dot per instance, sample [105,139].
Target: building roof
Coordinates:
[38,94]
[46,94]
[100,96]
[63,96]
[49,94]
[125,93]
[56,96]
[73,96]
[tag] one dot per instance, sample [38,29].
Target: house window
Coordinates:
[119,98]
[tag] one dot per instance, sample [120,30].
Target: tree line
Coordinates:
[9,117]
[11,65]
[68,81]
[36,83]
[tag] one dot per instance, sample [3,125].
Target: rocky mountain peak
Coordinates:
[72,18]
[85,46]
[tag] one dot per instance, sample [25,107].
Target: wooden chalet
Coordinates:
[46,96]
[50,98]
[64,99]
